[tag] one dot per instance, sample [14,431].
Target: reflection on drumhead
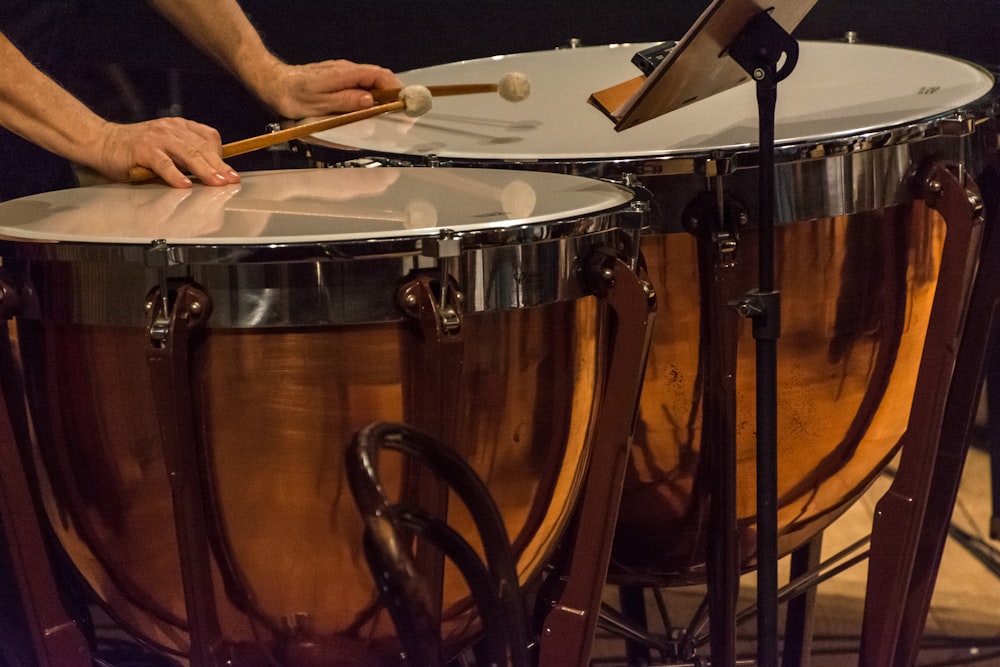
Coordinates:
[309,205]
[518,199]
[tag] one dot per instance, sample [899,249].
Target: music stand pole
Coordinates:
[759,49]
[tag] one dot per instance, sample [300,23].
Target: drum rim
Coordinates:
[338,282]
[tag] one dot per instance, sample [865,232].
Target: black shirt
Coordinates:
[39,29]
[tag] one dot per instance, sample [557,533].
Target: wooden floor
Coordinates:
[963,627]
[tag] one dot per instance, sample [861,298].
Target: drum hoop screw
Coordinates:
[746,309]
[750,305]
[608,276]
[977,204]
[451,323]
[409,302]
[933,189]
[11,298]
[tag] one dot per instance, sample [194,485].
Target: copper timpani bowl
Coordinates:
[305,344]
[857,261]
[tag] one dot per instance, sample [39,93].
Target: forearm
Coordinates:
[223,31]
[35,107]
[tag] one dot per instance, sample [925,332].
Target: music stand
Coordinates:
[730,43]
[698,66]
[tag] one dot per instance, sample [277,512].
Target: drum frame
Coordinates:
[908,534]
[177,317]
[56,637]
[907,162]
[568,629]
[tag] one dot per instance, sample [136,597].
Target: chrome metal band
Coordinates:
[313,284]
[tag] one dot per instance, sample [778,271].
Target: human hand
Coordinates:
[166,146]
[320,88]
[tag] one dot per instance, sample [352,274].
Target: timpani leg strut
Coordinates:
[993,437]
[55,637]
[977,344]
[633,603]
[432,364]
[723,276]
[174,332]
[800,612]
[895,569]
[568,628]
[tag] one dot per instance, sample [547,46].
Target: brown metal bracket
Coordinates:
[978,342]
[174,330]
[897,531]
[432,359]
[628,304]
[55,636]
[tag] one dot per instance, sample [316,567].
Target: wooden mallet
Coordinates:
[513,87]
[412,100]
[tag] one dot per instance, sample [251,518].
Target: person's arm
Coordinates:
[222,30]
[33,106]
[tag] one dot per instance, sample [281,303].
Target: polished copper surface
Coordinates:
[274,410]
[856,298]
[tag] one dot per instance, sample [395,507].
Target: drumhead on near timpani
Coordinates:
[836,90]
[307,206]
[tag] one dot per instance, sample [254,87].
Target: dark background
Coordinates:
[129,64]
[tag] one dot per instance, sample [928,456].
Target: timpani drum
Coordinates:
[857,259]
[301,334]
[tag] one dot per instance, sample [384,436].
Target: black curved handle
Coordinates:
[495,588]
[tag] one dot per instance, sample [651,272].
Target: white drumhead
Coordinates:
[298,206]
[836,90]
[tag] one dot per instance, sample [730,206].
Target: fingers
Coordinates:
[373,76]
[172,146]
[169,147]
[330,86]
[204,159]
[175,144]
